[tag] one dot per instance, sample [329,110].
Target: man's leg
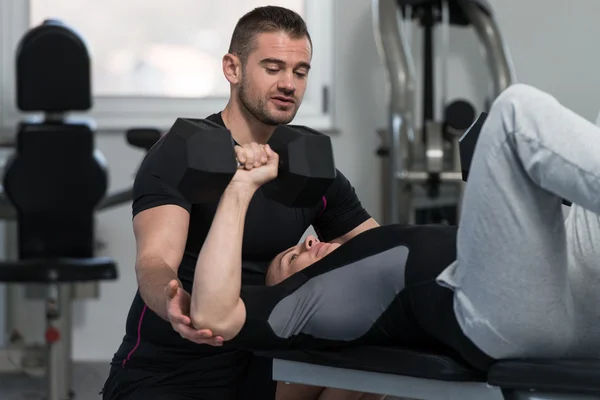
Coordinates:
[513,294]
[340,394]
[258,383]
[217,377]
[293,391]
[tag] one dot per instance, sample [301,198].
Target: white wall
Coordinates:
[553,47]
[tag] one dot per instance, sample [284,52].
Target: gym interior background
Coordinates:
[552,43]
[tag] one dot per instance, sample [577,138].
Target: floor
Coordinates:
[88,379]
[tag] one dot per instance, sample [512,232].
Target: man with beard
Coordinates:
[162,355]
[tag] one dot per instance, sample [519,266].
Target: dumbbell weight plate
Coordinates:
[197,158]
[306,166]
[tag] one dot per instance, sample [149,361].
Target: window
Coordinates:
[156,60]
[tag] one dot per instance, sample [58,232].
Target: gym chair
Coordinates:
[55,181]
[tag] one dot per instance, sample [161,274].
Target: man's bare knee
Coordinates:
[293,391]
[371,396]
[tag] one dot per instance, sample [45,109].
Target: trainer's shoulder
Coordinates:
[216,118]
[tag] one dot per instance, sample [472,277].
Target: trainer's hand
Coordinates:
[178,311]
[258,175]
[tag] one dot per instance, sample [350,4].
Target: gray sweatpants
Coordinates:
[527,281]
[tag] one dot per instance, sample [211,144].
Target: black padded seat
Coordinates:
[389,360]
[556,376]
[553,376]
[58,270]
[457,16]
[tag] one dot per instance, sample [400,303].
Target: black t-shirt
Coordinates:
[357,295]
[269,229]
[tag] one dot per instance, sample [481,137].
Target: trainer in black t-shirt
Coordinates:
[150,342]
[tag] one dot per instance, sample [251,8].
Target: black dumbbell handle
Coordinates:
[211,124]
[240,165]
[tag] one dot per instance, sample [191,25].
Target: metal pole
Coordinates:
[392,45]
[497,53]
[59,342]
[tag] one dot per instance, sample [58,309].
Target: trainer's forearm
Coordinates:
[218,275]
[153,276]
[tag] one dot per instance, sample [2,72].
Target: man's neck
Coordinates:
[244,127]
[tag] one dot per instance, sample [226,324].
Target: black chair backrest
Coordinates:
[53,70]
[55,180]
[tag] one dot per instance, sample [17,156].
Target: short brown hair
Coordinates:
[262,20]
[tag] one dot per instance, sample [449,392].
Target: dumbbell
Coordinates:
[197,158]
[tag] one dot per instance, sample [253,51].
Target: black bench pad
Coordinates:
[58,270]
[569,376]
[388,360]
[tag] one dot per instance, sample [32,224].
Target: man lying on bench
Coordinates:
[513,280]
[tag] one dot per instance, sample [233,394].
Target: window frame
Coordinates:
[120,113]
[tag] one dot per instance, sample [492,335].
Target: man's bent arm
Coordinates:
[161,234]
[216,303]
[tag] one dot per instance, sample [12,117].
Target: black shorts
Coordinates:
[228,376]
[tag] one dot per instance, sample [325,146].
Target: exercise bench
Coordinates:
[417,374]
